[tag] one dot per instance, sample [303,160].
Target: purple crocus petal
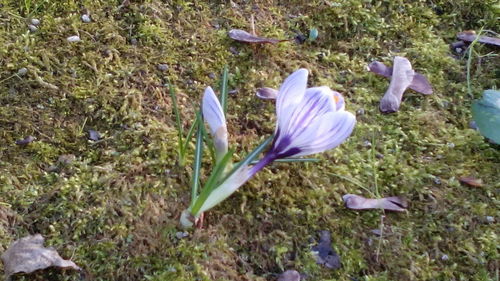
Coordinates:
[213,114]
[316,102]
[325,133]
[212,111]
[290,95]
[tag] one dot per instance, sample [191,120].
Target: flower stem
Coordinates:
[268,158]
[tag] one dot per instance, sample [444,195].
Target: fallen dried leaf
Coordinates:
[28,254]
[324,253]
[471,181]
[468,36]
[356,202]
[267,93]
[404,77]
[243,36]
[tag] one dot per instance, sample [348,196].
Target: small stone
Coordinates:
[234,51]
[181,234]
[133,41]
[437,180]
[379,156]
[22,71]
[233,92]
[490,219]
[367,143]
[360,112]
[300,38]
[35,22]
[32,28]
[211,75]
[376,232]
[162,67]
[86,18]
[445,257]
[52,169]
[26,140]
[289,275]
[473,125]
[450,145]
[94,135]
[66,159]
[74,38]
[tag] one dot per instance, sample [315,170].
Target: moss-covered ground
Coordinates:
[113,205]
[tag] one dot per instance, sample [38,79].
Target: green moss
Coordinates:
[114,208]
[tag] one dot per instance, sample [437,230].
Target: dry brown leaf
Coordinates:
[243,36]
[28,254]
[267,93]
[470,181]
[356,202]
[471,36]
[418,84]
[402,76]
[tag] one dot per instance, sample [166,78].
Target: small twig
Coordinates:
[380,238]
[252,25]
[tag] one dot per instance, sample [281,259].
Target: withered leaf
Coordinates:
[243,36]
[356,202]
[267,93]
[324,253]
[470,181]
[471,36]
[402,77]
[27,255]
[418,84]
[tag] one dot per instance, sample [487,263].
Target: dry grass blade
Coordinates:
[267,93]
[470,37]
[243,36]
[356,202]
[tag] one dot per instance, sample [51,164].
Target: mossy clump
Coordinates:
[112,205]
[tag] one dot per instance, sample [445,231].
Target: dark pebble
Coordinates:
[234,51]
[300,38]
[94,135]
[26,140]
[162,67]
[473,125]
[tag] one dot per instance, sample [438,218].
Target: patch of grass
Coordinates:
[114,207]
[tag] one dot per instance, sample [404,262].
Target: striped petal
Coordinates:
[325,133]
[213,114]
[212,111]
[290,95]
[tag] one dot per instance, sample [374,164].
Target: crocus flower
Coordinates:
[308,121]
[213,114]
